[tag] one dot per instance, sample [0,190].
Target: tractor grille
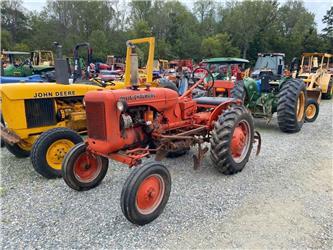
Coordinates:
[96,120]
[40,112]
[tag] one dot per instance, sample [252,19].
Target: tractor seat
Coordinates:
[211,100]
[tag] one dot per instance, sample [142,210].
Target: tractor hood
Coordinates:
[20,91]
[159,98]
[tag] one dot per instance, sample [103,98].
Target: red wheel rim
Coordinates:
[150,194]
[87,168]
[240,141]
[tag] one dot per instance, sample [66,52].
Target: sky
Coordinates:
[317,7]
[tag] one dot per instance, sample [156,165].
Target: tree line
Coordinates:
[204,29]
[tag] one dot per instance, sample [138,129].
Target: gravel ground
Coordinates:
[282,199]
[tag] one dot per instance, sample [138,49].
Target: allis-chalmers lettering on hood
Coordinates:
[137,97]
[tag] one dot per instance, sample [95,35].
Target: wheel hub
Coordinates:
[310,111]
[150,194]
[57,151]
[238,141]
[87,168]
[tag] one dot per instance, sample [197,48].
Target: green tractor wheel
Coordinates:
[291,106]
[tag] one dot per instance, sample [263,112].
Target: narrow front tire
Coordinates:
[145,193]
[82,170]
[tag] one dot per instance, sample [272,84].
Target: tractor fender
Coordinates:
[220,109]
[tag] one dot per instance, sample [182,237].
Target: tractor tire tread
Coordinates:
[286,106]
[221,140]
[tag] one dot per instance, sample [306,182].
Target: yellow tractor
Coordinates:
[314,70]
[45,120]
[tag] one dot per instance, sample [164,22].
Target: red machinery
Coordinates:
[128,125]
[226,72]
[184,63]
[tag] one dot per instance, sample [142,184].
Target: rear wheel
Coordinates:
[312,110]
[82,170]
[239,91]
[50,149]
[231,141]
[291,106]
[145,193]
[328,95]
[18,149]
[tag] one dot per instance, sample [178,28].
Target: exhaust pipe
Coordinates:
[134,73]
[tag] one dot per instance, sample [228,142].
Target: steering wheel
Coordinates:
[204,85]
[25,62]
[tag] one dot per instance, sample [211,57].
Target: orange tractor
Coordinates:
[127,125]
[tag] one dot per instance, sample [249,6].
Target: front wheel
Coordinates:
[232,140]
[145,193]
[311,111]
[82,170]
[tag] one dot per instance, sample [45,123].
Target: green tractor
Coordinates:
[15,63]
[22,64]
[270,93]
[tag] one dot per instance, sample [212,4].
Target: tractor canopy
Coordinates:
[269,63]
[23,64]
[223,68]
[14,63]
[311,62]
[225,60]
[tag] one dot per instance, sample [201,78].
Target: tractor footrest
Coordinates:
[215,101]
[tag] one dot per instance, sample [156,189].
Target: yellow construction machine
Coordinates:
[315,71]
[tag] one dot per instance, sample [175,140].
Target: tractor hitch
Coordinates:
[198,158]
[257,139]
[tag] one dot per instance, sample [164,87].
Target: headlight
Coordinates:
[121,106]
